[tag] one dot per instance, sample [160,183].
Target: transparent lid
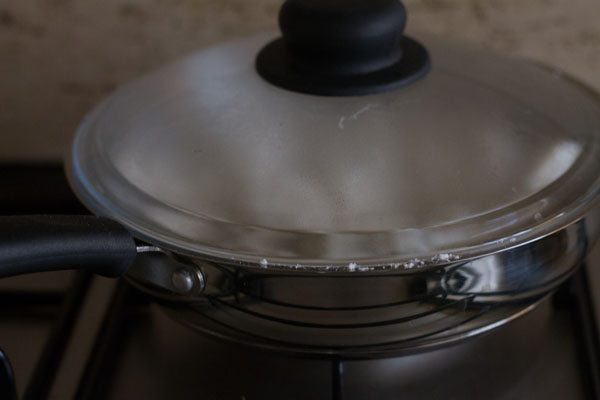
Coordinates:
[207,158]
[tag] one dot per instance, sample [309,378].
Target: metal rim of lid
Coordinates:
[394,264]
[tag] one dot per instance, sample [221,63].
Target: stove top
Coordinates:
[74,335]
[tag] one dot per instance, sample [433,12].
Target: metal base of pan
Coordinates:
[458,325]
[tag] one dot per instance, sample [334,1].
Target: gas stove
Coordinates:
[74,335]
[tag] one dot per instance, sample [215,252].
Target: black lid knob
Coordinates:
[342,48]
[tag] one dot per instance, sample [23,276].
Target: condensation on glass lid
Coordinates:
[206,158]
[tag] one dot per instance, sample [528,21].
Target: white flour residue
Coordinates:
[407,265]
[445,257]
[354,117]
[414,263]
[504,240]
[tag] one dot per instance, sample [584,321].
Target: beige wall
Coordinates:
[59,57]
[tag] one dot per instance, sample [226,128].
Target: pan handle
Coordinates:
[30,244]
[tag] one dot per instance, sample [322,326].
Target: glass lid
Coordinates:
[213,157]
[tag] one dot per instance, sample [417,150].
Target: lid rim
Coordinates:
[396,263]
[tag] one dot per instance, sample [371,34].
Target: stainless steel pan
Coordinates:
[345,190]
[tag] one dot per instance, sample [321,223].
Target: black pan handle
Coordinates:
[30,244]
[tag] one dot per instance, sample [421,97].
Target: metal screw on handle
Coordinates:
[185,280]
